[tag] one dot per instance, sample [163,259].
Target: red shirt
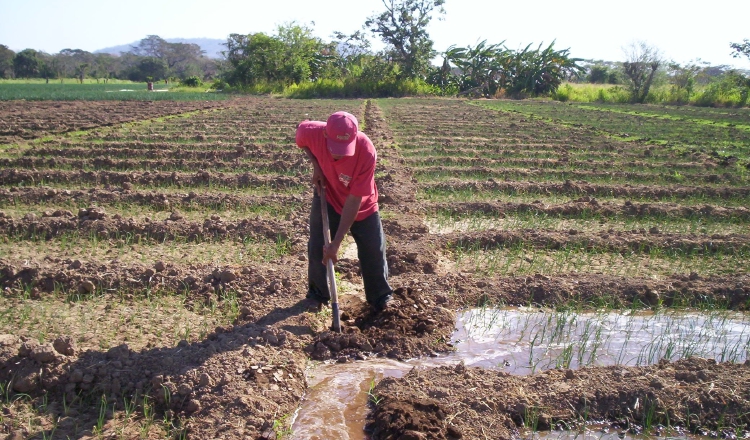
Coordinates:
[349,175]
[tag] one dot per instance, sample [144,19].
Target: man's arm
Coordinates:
[317,178]
[348,215]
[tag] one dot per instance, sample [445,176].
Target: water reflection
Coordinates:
[523,341]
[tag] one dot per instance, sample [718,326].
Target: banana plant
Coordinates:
[540,71]
[480,66]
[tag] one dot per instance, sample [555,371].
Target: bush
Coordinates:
[192,81]
[731,90]
[563,93]
[591,93]
[353,88]
[219,85]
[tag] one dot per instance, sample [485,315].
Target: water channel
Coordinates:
[524,341]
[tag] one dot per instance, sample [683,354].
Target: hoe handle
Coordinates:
[329,263]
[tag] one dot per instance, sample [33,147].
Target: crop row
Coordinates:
[738,116]
[488,160]
[495,150]
[583,207]
[237,166]
[438,173]
[493,190]
[423,157]
[200,179]
[205,201]
[729,139]
[29,120]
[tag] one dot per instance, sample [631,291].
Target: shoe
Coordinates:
[312,305]
[388,303]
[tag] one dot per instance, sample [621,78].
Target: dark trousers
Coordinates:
[370,239]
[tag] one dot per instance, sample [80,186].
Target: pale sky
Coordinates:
[681,30]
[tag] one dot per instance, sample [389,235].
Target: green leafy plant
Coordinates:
[192,81]
[372,397]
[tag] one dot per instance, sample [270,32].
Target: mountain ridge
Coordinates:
[211,46]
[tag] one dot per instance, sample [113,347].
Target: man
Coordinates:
[343,160]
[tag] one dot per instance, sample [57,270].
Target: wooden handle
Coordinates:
[329,264]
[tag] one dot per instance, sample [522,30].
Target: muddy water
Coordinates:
[335,406]
[523,341]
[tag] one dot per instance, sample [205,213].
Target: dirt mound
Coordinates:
[695,394]
[412,420]
[262,289]
[583,188]
[417,327]
[278,166]
[589,205]
[623,242]
[594,290]
[94,221]
[226,150]
[149,178]
[539,174]
[236,382]
[153,199]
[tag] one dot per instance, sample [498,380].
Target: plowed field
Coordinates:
[153,263]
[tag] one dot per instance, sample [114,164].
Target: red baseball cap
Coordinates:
[341,133]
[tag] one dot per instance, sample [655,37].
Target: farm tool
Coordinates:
[329,263]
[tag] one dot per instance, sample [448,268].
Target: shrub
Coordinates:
[219,84]
[731,90]
[358,88]
[590,93]
[192,81]
[563,93]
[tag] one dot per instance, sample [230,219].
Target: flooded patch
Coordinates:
[524,341]
[605,432]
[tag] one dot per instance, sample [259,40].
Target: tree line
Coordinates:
[294,61]
[347,65]
[153,59]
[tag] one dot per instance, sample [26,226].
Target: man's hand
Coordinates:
[348,214]
[330,251]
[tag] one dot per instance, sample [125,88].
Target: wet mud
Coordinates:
[417,327]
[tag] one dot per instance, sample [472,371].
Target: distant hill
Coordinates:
[211,46]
